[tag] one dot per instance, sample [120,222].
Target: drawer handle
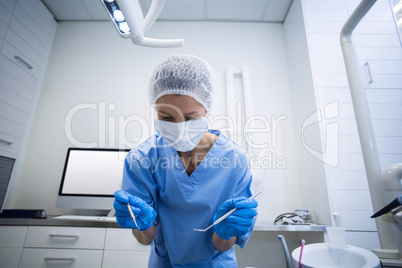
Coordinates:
[6,142]
[59,259]
[64,236]
[369,72]
[18,58]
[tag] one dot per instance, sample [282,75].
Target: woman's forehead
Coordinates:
[179,104]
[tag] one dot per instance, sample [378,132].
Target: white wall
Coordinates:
[91,64]
[313,185]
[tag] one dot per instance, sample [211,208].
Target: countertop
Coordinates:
[50,221]
[267,226]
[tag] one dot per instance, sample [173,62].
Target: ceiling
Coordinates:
[199,10]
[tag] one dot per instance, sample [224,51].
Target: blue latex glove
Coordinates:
[240,222]
[144,214]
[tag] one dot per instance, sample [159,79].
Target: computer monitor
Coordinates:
[90,178]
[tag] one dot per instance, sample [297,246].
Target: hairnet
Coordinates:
[183,75]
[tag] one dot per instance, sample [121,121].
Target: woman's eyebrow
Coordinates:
[191,113]
[163,112]
[186,114]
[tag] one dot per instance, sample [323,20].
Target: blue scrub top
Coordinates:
[154,172]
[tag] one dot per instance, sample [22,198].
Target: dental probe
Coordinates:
[132,215]
[130,211]
[224,216]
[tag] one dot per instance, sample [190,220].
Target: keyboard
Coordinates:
[85,218]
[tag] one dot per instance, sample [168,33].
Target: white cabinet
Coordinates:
[123,239]
[12,236]
[56,246]
[8,4]
[123,250]
[6,9]
[65,237]
[113,259]
[61,258]
[10,257]
[11,243]
[67,246]
[27,30]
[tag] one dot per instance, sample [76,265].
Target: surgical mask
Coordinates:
[183,136]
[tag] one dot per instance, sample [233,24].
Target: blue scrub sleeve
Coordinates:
[138,176]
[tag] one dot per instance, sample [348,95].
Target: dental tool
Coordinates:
[132,215]
[224,216]
[130,210]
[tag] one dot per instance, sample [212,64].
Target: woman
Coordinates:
[186,176]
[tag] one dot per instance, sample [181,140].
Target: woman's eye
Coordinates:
[166,118]
[190,118]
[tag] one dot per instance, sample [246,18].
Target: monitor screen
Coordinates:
[90,178]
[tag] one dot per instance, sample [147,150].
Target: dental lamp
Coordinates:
[130,23]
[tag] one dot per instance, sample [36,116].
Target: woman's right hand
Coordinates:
[144,214]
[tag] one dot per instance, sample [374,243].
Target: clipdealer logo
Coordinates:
[112,132]
[330,129]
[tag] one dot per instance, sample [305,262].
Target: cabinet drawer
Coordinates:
[33,12]
[15,100]
[8,4]
[12,236]
[8,153]
[65,237]
[28,36]
[382,81]
[45,13]
[25,18]
[13,113]
[17,87]
[112,259]
[10,142]
[123,239]
[3,30]
[5,14]
[14,70]
[61,258]
[11,129]
[22,55]
[10,258]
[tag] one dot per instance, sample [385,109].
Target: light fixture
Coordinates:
[123,27]
[118,15]
[130,23]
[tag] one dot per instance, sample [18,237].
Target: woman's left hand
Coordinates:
[240,222]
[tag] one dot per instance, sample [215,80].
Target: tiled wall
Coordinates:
[377,42]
